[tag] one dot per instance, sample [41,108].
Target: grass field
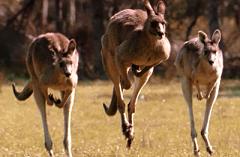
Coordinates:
[161,123]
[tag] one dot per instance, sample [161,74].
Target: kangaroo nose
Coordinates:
[210,62]
[160,34]
[67,74]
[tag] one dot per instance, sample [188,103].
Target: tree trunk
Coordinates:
[98,30]
[44,15]
[194,10]
[213,16]
[237,14]
[59,15]
[71,14]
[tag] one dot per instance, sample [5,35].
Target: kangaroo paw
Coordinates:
[199,96]
[50,99]
[58,103]
[54,100]
[207,96]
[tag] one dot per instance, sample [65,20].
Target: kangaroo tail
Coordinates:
[136,72]
[112,109]
[25,93]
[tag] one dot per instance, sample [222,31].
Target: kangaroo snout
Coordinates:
[67,74]
[66,68]
[210,62]
[160,34]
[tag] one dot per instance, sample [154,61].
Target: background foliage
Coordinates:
[85,20]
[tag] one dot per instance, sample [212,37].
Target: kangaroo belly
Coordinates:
[204,78]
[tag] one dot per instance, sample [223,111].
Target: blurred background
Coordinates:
[86,20]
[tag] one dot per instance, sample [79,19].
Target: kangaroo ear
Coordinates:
[202,36]
[216,37]
[72,46]
[149,8]
[161,7]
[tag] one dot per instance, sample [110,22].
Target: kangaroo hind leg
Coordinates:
[209,105]
[67,110]
[40,100]
[139,84]
[187,93]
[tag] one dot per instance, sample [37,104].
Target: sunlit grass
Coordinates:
[161,123]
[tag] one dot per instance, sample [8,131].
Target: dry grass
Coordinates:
[162,126]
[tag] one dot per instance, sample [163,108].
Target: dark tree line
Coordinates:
[85,20]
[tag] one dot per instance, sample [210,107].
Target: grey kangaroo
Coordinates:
[134,42]
[52,62]
[200,62]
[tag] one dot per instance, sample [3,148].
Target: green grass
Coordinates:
[161,123]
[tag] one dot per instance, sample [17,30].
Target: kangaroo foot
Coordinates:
[210,150]
[129,142]
[129,134]
[48,147]
[51,154]
[197,153]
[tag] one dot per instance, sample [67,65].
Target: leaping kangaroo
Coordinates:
[134,42]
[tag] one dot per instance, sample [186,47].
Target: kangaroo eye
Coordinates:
[61,64]
[206,52]
[164,23]
[154,24]
[64,54]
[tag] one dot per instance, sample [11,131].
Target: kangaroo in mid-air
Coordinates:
[52,62]
[134,42]
[200,62]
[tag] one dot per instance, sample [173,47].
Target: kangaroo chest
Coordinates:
[58,82]
[148,55]
[204,74]
[149,58]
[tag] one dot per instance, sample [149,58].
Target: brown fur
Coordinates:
[52,62]
[134,42]
[200,62]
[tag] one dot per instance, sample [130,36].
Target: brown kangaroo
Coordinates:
[134,42]
[200,62]
[52,62]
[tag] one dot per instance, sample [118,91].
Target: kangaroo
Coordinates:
[134,42]
[200,62]
[52,62]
